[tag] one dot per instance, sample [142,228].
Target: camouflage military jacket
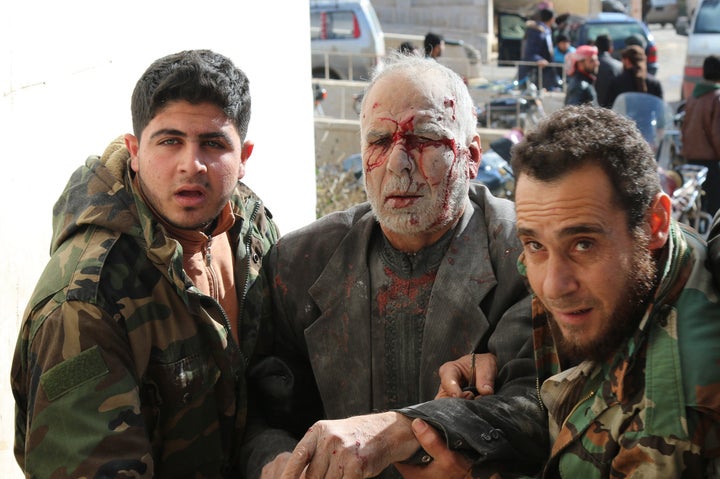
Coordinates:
[122,367]
[653,410]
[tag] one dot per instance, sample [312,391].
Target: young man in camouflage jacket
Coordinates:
[625,312]
[131,358]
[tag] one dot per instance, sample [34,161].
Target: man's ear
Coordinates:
[659,215]
[475,157]
[247,150]
[131,143]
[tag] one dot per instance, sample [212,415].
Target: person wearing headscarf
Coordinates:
[582,65]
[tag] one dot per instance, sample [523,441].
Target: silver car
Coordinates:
[703,40]
[347,40]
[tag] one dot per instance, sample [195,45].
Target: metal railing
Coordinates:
[540,68]
[342,94]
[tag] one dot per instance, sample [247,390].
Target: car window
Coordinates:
[614,30]
[336,25]
[512,27]
[708,18]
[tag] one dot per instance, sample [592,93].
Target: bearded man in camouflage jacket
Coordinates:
[131,358]
[625,312]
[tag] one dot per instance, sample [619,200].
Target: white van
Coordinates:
[703,40]
[346,39]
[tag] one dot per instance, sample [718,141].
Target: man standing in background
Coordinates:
[608,69]
[434,45]
[701,131]
[539,49]
[581,76]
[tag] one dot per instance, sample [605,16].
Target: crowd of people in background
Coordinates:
[597,75]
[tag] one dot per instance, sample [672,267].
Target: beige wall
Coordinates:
[467,20]
[67,70]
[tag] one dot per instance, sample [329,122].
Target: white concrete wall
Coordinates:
[467,20]
[67,70]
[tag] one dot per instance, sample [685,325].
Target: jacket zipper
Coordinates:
[213,293]
[587,396]
[246,241]
[537,390]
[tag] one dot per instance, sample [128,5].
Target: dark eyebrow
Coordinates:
[168,131]
[582,229]
[218,135]
[203,136]
[569,231]
[525,232]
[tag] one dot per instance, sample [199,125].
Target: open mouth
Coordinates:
[190,196]
[576,316]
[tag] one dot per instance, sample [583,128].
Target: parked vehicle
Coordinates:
[613,6]
[619,27]
[346,39]
[703,40]
[515,104]
[669,153]
[651,114]
[510,33]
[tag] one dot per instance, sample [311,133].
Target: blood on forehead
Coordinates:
[405,138]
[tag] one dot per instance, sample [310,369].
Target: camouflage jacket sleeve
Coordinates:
[85,408]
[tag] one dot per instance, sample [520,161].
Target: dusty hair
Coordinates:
[415,65]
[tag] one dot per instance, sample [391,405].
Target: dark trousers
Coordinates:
[711,188]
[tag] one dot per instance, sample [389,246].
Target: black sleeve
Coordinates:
[508,429]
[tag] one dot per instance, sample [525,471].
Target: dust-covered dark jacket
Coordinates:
[322,362]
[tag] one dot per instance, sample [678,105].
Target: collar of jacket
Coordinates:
[704,87]
[164,250]
[342,294]
[585,76]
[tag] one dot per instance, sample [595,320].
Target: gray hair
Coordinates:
[414,65]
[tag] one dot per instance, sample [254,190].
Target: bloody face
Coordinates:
[417,169]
